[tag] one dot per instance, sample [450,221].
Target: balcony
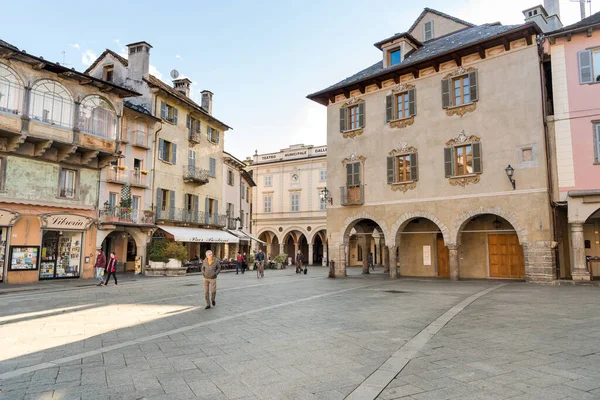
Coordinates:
[187,217]
[352,195]
[194,137]
[139,139]
[139,179]
[125,216]
[192,174]
[116,175]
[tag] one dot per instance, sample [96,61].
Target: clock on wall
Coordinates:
[295,178]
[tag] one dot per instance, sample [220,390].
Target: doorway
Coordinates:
[506,257]
[443,257]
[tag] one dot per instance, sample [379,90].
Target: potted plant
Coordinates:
[251,261]
[143,172]
[280,259]
[176,253]
[156,257]
[122,167]
[125,202]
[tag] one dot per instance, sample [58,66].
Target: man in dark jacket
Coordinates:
[211,267]
[99,265]
[260,263]
[299,261]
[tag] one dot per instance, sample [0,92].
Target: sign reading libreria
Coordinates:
[65,221]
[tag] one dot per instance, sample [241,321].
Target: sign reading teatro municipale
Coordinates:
[65,221]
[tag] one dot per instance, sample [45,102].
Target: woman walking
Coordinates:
[111,268]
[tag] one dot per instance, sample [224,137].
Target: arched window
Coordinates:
[97,116]
[11,91]
[51,103]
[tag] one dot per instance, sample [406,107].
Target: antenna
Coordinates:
[582,6]
[64,56]
[174,74]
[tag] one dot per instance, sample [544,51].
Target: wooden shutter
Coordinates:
[414,167]
[585,66]
[343,120]
[213,167]
[172,204]
[163,110]
[412,102]
[175,116]
[216,211]
[349,176]
[173,153]
[361,115]
[389,110]
[448,162]
[161,149]
[446,93]
[198,126]
[196,208]
[357,173]
[391,161]
[474,86]
[477,158]
[188,121]
[207,210]
[159,199]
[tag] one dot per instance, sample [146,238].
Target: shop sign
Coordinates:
[321,150]
[65,221]
[209,239]
[8,218]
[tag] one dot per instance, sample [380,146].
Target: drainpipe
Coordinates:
[154,156]
[553,205]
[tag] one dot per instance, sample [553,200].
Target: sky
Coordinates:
[259,58]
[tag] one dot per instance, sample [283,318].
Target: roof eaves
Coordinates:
[406,35]
[591,22]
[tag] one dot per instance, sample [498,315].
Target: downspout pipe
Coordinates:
[154,155]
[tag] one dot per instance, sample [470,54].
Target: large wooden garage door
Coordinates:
[506,257]
[443,257]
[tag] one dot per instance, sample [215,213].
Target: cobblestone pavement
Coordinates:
[299,337]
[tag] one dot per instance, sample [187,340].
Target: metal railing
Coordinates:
[194,174]
[114,174]
[352,195]
[139,138]
[138,179]
[117,214]
[184,215]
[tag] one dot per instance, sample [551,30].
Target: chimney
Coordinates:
[207,101]
[183,85]
[552,7]
[138,60]
[582,8]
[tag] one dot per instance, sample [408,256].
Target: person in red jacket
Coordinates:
[100,265]
[111,268]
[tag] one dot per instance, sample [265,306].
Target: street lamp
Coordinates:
[510,171]
[325,196]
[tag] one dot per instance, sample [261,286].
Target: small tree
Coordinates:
[177,251]
[156,250]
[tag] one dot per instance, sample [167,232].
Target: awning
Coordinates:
[254,238]
[199,235]
[243,235]
[239,234]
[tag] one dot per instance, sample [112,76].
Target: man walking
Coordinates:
[210,270]
[299,260]
[370,261]
[260,263]
[239,262]
[99,265]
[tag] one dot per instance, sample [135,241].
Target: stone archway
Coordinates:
[465,217]
[358,240]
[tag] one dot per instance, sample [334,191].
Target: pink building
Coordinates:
[572,64]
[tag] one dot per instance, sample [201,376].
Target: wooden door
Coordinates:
[506,256]
[443,257]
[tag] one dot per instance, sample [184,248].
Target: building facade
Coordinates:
[58,129]
[288,214]
[237,188]
[420,146]
[187,152]
[572,56]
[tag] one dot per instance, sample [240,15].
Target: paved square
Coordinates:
[300,337]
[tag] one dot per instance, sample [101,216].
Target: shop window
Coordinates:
[67,183]
[61,254]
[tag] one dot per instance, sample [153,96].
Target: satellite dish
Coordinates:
[174,74]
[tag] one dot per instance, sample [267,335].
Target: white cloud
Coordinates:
[75,46]
[88,57]
[155,72]
[178,57]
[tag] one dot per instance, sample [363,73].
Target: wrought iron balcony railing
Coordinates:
[352,195]
[186,216]
[193,174]
[122,215]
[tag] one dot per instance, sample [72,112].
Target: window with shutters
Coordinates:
[597,143]
[268,180]
[401,106]
[167,151]
[428,31]
[213,135]
[463,160]
[295,202]
[459,91]
[189,203]
[230,178]
[67,184]
[242,190]
[212,167]
[267,202]
[353,174]
[589,66]
[164,204]
[168,112]
[352,117]
[402,168]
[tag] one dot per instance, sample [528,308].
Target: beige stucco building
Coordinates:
[419,149]
[288,213]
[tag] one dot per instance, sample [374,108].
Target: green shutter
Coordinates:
[159,200]
[446,93]
[357,173]
[207,210]
[161,149]
[188,121]
[448,164]
[389,110]
[390,169]
[343,120]
[473,86]
[173,153]
[585,66]
[172,205]
[361,115]
[175,116]
[163,110]
[218,136]
[196,208]
[216,212]
[414,167]
[412,102]
[477,167]
[198,126]
[349,176]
